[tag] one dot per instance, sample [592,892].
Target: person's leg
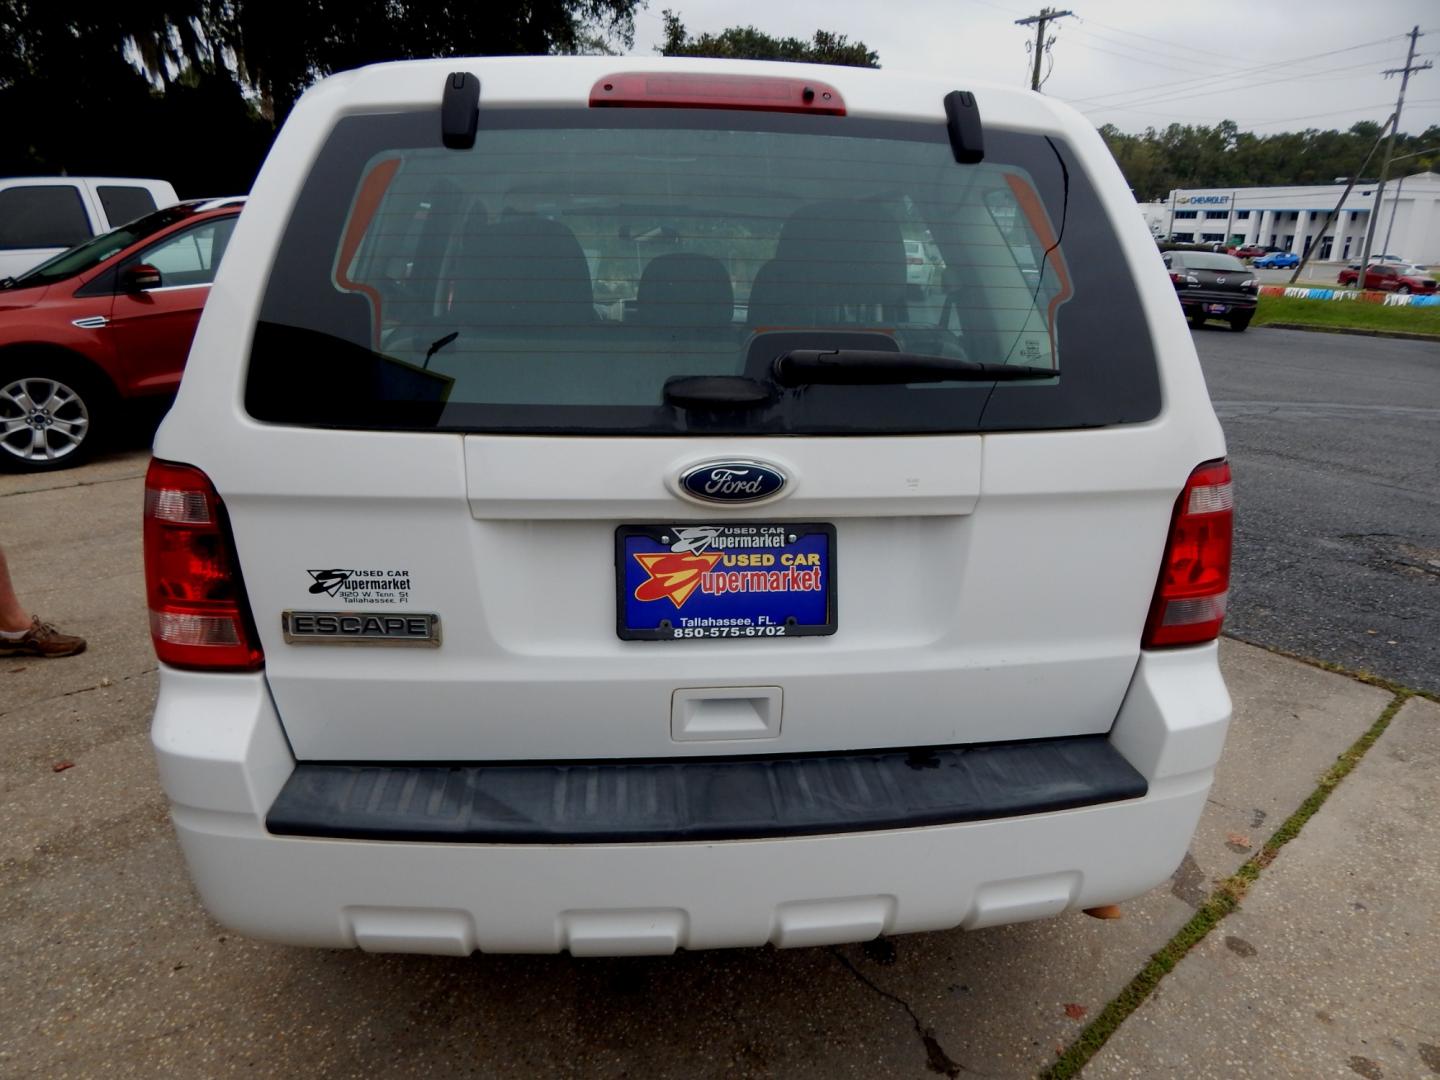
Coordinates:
[13,617]
[22,634]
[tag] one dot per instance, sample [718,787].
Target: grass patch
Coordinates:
[1225,899]
[1349,314]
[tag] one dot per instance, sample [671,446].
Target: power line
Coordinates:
[1250,122]
[1149,54]
[1040,21]
[1262,67]
[1342,112]
[1197,87]
[1181,46]
[1232,87]
[1160,61]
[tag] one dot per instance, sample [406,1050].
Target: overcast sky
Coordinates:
[1136,64]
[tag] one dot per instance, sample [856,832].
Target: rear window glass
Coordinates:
[40,216]
[556,275]
[123,203]
[1206,260]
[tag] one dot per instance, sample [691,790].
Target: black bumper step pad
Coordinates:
[700,798]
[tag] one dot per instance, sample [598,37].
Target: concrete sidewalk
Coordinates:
[110,965]
[1331,966]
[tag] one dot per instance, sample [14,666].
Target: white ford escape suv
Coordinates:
[576,531]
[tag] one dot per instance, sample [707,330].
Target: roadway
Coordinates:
[1335,443]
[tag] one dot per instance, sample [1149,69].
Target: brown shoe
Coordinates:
[42,639]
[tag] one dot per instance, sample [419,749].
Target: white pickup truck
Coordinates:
[41,216]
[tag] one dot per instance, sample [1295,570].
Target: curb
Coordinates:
[1402,335]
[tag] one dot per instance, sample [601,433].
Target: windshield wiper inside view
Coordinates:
[865,367]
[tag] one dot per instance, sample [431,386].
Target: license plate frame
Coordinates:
[810,603]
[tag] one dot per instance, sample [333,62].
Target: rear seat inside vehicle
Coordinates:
[685,290]
[832,261]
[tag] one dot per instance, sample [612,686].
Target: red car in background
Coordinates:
[109,321]
[1385,277]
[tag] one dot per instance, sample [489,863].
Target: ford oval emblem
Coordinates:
[732,481]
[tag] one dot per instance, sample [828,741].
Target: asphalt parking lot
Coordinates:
[1335,444]
[110,966]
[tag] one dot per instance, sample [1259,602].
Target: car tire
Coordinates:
[53,414]
[1238,323]
[1403,290]
[1197,320]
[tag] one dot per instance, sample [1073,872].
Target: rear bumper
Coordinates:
[1235,301]
[223,760]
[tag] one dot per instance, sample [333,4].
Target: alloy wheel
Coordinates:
[41,419]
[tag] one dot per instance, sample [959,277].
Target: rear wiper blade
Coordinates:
[866,367]
[436,346]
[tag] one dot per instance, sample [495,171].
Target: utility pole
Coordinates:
[1046,15]
[1340,208]
[1404,74]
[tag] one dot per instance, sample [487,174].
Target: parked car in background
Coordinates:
[1249,251]
[41,216]
[1390,260]
[879,608]
[108,321]
[1213,285]
[922,263]
[1386,277]
[1277,260]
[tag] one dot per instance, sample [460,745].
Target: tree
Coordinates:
[193,90]
[1196,156]
[748,43]
[280,47]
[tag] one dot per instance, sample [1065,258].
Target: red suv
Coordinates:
[1387,278]
[105,322]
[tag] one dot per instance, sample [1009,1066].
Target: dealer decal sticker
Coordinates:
[362,586]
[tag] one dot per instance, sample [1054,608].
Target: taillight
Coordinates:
[1189,603]
[198,613]
[1177,279]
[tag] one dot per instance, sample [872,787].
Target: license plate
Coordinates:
[1216,309]
[751,581]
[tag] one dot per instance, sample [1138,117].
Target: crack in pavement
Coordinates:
[936,1059]
[103,685]
[71,487]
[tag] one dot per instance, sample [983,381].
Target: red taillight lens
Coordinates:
[1189,603]
[1176,279]
[678,90]
[198,614]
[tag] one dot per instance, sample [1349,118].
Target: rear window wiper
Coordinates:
[866,367]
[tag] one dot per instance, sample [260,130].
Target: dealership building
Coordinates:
[1292,218]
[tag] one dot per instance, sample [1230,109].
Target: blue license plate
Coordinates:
[1216,309]
[752,581]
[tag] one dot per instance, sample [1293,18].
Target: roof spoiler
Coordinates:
[460,110]
[962,117]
